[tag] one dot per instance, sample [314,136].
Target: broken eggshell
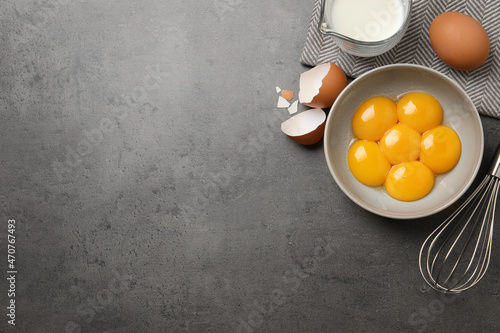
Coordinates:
[307,127]
[320,86]
[287,94]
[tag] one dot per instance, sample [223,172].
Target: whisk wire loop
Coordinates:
[456,255]
[481,240]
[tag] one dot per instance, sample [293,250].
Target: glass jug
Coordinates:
[365,28]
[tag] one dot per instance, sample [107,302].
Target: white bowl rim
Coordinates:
[355,199]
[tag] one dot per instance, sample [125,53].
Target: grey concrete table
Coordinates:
[152,189]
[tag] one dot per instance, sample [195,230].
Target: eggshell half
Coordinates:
[307,127]
[460,41]
[321,85]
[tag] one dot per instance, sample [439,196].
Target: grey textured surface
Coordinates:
[142,159]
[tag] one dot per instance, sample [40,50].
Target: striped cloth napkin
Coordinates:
[481,84]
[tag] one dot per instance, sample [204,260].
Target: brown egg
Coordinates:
[320,86]
[459,40]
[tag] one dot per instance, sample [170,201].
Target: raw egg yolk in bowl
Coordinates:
[367,163]
[409,181]
[402,145]
[374,117]
[420,111]
[441,149]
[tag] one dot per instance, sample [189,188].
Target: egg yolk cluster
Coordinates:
[402,145]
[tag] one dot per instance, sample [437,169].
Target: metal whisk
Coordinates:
[456,255]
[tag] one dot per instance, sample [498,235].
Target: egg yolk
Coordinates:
[367,163]
[409,181]
[420,111]
[401,144]
[440,149]
[373,118]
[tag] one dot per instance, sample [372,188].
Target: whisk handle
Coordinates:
[495,165]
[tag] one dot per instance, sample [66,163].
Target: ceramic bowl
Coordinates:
[394,81]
